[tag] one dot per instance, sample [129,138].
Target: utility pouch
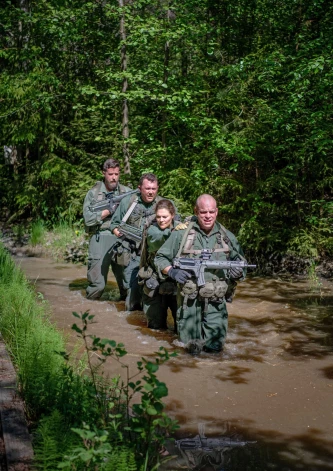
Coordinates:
[207,291]
[189,290]
[167,288]
[221,288]
[121,255]
[145,272]
[151,285]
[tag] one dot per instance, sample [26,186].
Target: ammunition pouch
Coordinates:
[145,273]
[189,291]
[214,291]
[207,291]
[167,288]
[122,253]
[151,285]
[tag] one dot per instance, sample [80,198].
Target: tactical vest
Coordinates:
[140,214]
[215,290]
[100,196]
[223,243]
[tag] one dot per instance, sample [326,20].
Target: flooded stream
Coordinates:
[264,403]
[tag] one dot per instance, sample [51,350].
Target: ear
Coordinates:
[195,210]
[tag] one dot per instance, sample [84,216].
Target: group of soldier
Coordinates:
[155,258]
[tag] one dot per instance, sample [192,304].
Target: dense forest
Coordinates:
[232,98]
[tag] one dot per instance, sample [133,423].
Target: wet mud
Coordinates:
[266,400]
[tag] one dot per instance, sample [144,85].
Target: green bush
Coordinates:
[81,420]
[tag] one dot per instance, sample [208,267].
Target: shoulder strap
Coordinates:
[122,189]
[184,239]
[98,195]
[130,209]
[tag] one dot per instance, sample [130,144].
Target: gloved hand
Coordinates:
[236,273]
[179,275]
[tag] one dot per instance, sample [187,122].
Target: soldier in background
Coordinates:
[97,224]
[134,211]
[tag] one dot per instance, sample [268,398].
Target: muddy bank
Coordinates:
[271,385]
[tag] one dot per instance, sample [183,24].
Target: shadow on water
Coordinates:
[299,328]
[235,449]
[271,322]
[111,292]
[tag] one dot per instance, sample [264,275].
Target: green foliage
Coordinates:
[82,419]
[146,427]
[37,232]
[51,440]
[230,98]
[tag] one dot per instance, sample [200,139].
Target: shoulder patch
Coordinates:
[182,225]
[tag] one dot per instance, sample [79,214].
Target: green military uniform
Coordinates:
[138,218]
[101,243]
[202,317]
[156,301]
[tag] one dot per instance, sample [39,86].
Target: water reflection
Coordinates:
[231,451]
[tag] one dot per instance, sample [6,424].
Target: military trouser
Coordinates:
[134,291]
[156,309]
[99,262]
[211,326]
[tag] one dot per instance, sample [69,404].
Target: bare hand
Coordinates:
[117,232]
[105,213]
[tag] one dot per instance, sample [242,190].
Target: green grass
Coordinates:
[37,233]
[30,337]
[63,235]
[79,418]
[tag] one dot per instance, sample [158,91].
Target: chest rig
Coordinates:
[139,214]
[213,291]
[147,274]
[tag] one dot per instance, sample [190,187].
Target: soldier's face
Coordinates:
[206,213]
[148,191]
[163,218]
[111,178]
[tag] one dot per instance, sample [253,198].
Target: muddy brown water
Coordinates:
[272,385]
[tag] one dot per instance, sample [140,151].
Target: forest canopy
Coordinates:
[231,98]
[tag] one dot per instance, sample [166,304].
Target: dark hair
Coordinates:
[148,176]
[110,163]
[165,204]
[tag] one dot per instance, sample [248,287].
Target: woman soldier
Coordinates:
[158,295]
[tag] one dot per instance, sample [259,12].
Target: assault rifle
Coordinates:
[199,265]
[110,202]
[130,232]
[209,444]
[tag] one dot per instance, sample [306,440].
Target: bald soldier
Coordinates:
[202,316]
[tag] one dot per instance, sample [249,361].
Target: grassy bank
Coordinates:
[80,421]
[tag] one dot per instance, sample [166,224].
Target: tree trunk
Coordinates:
[125,128]
[165,80]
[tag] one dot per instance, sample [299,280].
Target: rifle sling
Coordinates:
[129,211]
